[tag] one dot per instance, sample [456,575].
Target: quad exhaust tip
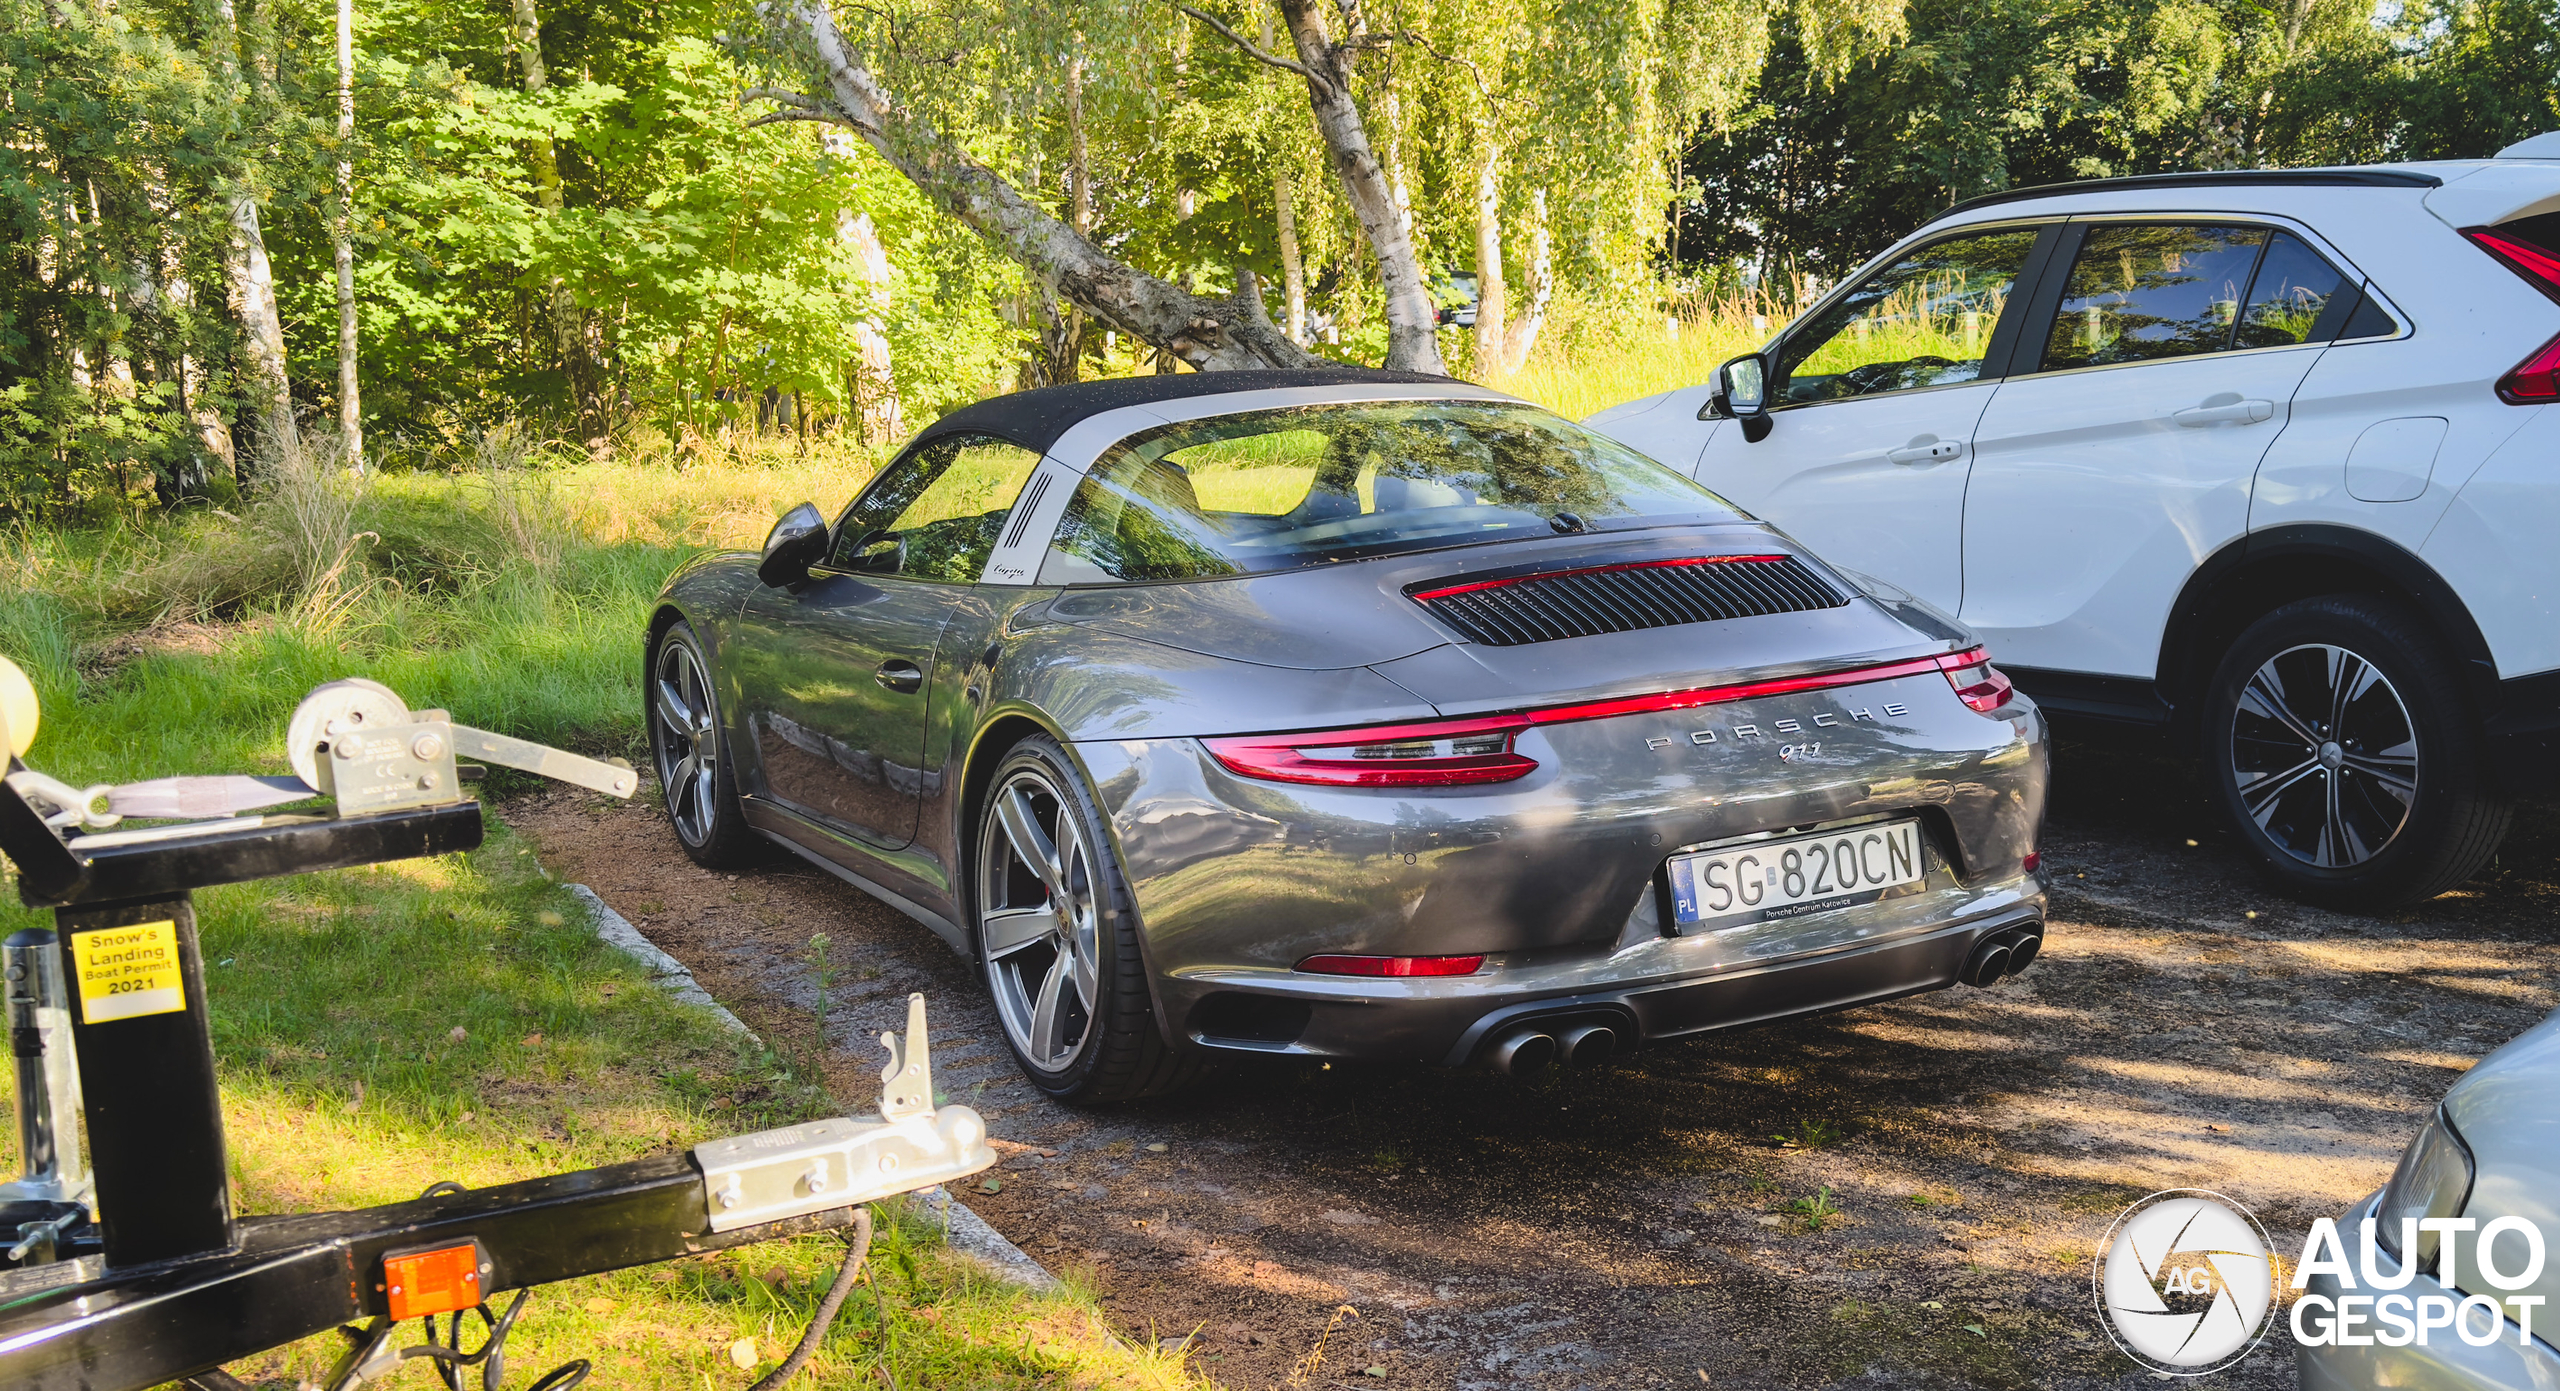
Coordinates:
[2001,955]
[1522,1054]
[1529,1049]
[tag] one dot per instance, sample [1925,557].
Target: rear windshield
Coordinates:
[1280,489]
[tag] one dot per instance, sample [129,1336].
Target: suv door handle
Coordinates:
[2226,413]
[1927,452]
[900,675]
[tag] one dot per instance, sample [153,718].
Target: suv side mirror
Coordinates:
[1743,386]
[796,542]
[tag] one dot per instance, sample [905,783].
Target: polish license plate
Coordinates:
[1795,875]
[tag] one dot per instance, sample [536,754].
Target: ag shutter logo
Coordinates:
[2184,1283]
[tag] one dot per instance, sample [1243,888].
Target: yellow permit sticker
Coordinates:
[128,972]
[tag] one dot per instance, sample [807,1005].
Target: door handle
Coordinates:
[899,675]
[2226,413]
[1927,452]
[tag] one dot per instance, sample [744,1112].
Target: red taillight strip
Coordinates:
[1276,757]
[1748,690]
[1426,595]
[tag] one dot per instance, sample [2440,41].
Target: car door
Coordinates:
[836,674]
[1874,398]
[2120,452]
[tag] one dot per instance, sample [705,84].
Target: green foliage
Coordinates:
[1989,94]
[115,143]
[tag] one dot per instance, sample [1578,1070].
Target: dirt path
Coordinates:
[1646,1224]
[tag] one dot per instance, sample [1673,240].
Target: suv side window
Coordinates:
[2297,298]
[1922,321]
[936,513]
[2139,292]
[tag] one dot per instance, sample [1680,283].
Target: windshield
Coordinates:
[1275,490]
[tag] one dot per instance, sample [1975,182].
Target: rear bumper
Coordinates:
[1557,878]
[1664,987]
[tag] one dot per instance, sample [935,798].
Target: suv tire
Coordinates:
[1057,939]
[2342,750]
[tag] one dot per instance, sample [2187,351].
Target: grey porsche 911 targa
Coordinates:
[1348,714]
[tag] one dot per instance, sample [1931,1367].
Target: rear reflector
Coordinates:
[2536,380]
[432,1280]
[1478,749]
[1391,965]
[2033,862]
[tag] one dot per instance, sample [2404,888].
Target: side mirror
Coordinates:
[1743,386]
[796,542]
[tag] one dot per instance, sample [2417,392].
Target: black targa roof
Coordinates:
[1035,419]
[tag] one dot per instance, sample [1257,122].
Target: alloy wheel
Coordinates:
[1038,922]
[2324,755]
[688,745]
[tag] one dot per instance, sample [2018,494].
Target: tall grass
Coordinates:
[509,592]
[1590,358]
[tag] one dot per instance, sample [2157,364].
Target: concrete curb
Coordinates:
[967,1232]
[667,972]
[970,1235]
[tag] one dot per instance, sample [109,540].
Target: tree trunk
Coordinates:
[1542,285]
[875,391]
[1492,303]
[251,281]
[1413,339]
[342,243]
[1293,268]
[1209,334]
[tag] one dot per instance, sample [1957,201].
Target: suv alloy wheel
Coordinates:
[2344,753]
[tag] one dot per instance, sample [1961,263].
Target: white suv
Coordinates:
[2267,458]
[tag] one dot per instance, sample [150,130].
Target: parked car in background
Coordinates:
[2266,458]
[1348,714]
[2486,1163]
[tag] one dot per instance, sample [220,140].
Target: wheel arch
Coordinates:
[2265,570]
[994,738]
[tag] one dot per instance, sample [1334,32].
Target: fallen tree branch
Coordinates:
[1209,334]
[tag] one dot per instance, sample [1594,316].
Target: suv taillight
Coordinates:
[2535,380]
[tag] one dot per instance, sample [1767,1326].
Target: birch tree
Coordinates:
[250,277]
[342,242]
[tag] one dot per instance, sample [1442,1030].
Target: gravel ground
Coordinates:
[1905,1195]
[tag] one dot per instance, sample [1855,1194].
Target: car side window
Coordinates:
[936,513]
[2297,298]
[1922,321]
[2139,292]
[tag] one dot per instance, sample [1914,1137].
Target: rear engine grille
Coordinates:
[1624,598]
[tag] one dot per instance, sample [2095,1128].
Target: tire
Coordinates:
[692,756]
[2367,802]
[1070,986]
